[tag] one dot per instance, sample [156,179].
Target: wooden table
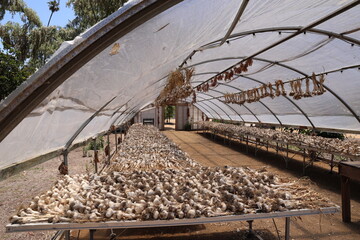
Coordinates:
[348,170]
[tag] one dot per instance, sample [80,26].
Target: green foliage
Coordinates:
[27,15]
[12,74]
[99,144]
[306,131]
[169,112]
[187,126]
[53,7]
[29,45]
[89,12]
[331,135]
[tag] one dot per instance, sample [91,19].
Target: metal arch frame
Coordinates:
[84,124]
[204,99]
[297,106]
[19,104]
[292,69]
[339,36]
[200,106]
[221,110]
[259,102]
[242,105]
[227,106]
[243,57]
[301,30]
[258,81]
[215,111]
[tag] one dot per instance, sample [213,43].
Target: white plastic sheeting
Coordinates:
[136,74]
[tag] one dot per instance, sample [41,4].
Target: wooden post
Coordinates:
[256,145]
[96,157]
[116,141]
[332,163]
[109,151]
[345,199]
[247,143]
[304,161]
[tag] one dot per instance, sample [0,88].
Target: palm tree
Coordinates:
[53,7]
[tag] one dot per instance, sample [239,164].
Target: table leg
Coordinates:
[67,234]
[91,231]
[345,199]
[287,228]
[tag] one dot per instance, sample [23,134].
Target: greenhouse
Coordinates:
[276,80]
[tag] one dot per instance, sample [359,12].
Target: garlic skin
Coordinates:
[154,192]
[332,145]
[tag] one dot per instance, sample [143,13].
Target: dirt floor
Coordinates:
[21,188]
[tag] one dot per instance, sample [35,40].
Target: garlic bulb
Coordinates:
[158,193]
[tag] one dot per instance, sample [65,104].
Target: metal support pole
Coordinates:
[65,154]
[67,235]
[91,234]
[287,228]
[251,231]
[277,148]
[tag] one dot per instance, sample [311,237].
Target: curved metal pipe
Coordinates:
[204,110]
[219,108]
[213,110]
[259,102]
[242,105]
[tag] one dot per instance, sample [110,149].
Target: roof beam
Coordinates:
[242,105]
[204,110]
[25,99]
[301,30]
[259,102]
[221,108]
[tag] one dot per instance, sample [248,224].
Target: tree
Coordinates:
[12,74]
[30,44]
[89,12]
[169,112]
[53,7]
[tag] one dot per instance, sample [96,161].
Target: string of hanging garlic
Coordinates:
[165,194]
[226,76]
[267,90]
[348,146]
[255,94]
[146,148]
[178,87]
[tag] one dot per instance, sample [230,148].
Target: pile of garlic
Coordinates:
[146,148]
[351,146]
[182,189]
[162,194]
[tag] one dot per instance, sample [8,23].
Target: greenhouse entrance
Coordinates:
[169,117]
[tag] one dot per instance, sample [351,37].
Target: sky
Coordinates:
[60,18]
